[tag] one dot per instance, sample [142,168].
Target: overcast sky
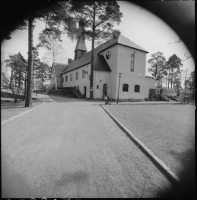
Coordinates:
[139,25]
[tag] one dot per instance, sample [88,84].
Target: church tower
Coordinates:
[80,48]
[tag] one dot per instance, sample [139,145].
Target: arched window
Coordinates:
[132,62]
[125,87]
[83,74]
[137,88]
[66,78]
[71,77]
[76,75]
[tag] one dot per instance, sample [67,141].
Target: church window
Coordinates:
[66,78]
[71,77]
[97,87]
[125,87]
[132,62]
[137,88]
[83,74]
[76,75]
[108,55]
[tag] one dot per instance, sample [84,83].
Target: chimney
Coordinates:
[80,48]
[70,60]
[116,34]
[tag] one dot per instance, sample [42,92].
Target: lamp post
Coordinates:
[119,86]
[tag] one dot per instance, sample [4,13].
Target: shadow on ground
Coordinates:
[76,177]
[62,99]
[19,104]
[186,187]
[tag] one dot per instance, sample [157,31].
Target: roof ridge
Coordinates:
[86,57]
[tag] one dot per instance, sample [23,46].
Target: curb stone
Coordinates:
[3,122]
[159,163]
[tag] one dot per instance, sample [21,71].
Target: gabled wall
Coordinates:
[132,78]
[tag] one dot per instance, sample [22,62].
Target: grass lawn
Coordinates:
[167,130]
[11,109]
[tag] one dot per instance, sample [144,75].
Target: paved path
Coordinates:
[72,148]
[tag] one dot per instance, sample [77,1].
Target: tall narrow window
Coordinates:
[125,87]
[83,74]
[76,75]
[132,62]
[71,77]
[66,78]
[137,88]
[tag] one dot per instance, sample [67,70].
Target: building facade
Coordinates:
[119,67]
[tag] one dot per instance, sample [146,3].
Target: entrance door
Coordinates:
[84,91]
[104,90]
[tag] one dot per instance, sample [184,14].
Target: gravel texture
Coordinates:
[167,130]
[69,148]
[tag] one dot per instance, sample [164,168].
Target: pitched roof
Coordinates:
[59,68]
[86,58]
[125,41]
[100,64]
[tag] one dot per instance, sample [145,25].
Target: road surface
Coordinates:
[70,148]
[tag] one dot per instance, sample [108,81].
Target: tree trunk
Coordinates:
[25,90]
[11,78]
[55,78]
[92,58]
[42,82]
[28,101]
[166,81]
[172,78]
[19,81]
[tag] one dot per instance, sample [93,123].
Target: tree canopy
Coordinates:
[174,65]
[157,62]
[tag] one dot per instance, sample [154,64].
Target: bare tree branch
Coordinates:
[178,41]
[187,57]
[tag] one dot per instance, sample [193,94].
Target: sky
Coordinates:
[139,25]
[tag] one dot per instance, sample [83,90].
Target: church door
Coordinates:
[104,90]
[84,91]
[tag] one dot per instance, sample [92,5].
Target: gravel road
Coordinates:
[69,148]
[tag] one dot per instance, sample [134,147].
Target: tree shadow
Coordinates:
[186,187]
[183,157]
[70,178]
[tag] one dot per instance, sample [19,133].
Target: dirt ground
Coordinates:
[167,130]
[70,148]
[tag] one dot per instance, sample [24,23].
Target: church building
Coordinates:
[119,70]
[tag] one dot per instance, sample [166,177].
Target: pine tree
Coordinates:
[98,18]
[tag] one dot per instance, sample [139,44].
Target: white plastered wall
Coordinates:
[81,82]
[132,78]
[112,77]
